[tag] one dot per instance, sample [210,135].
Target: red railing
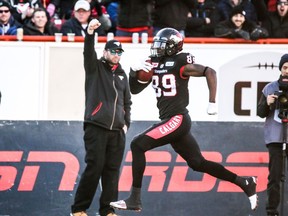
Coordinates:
[103,39]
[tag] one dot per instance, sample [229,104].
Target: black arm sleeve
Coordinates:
[90,55]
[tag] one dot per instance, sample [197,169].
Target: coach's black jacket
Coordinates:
[108,98]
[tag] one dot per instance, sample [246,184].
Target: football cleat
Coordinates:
[250,189]
[122,205]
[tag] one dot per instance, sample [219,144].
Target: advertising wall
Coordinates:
[41,163]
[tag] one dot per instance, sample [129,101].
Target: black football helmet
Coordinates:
[167,42]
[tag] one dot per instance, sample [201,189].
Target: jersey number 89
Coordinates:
[168,83]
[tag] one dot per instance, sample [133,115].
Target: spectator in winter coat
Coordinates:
[202,20]
[112,10]
[39,24]
[133,17]
[171,13]
[237,26]
[62,9]
[79,22]
[275,22]
[8,25]
[98,11]
[225,7]
[22,10]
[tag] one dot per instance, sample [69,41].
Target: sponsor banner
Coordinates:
[41,163]
[52,88]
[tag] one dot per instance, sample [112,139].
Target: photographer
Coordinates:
[274,110]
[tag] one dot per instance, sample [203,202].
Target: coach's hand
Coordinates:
[93,24]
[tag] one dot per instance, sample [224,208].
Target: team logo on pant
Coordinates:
[167,128]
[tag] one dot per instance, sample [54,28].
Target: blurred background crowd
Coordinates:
[247,19]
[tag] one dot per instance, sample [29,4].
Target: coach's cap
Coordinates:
[4,4]
[283,60]
[113,45]
[82,4]
[238,10]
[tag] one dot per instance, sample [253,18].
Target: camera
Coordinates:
[282,103]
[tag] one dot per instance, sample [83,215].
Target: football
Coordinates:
[144,76]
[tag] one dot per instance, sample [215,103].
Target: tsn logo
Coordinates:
[158,163]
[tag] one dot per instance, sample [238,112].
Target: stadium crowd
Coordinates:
[248,19]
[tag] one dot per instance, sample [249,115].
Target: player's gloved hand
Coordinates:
[145,66]
[212,108]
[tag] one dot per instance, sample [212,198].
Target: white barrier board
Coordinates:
[45,80]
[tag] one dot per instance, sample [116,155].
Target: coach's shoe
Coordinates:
[111,214]
[250,189]
[82,213]
[271,212]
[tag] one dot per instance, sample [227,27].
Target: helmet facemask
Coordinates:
[158,48]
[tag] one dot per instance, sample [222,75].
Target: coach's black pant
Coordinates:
[104,154]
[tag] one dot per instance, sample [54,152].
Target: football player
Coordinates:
[172,69]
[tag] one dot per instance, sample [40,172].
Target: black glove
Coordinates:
[243,34]
[258,33]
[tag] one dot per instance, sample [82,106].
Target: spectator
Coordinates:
[171,13]
[237,26]
[225,7]
[112,10]
[39,24]
[22,10]
[78,23]
[133,16]
[45,3]
[260,5]
[275,22]
[8,25]
[271,5]
[98,11]
[61,9]
[202,20]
